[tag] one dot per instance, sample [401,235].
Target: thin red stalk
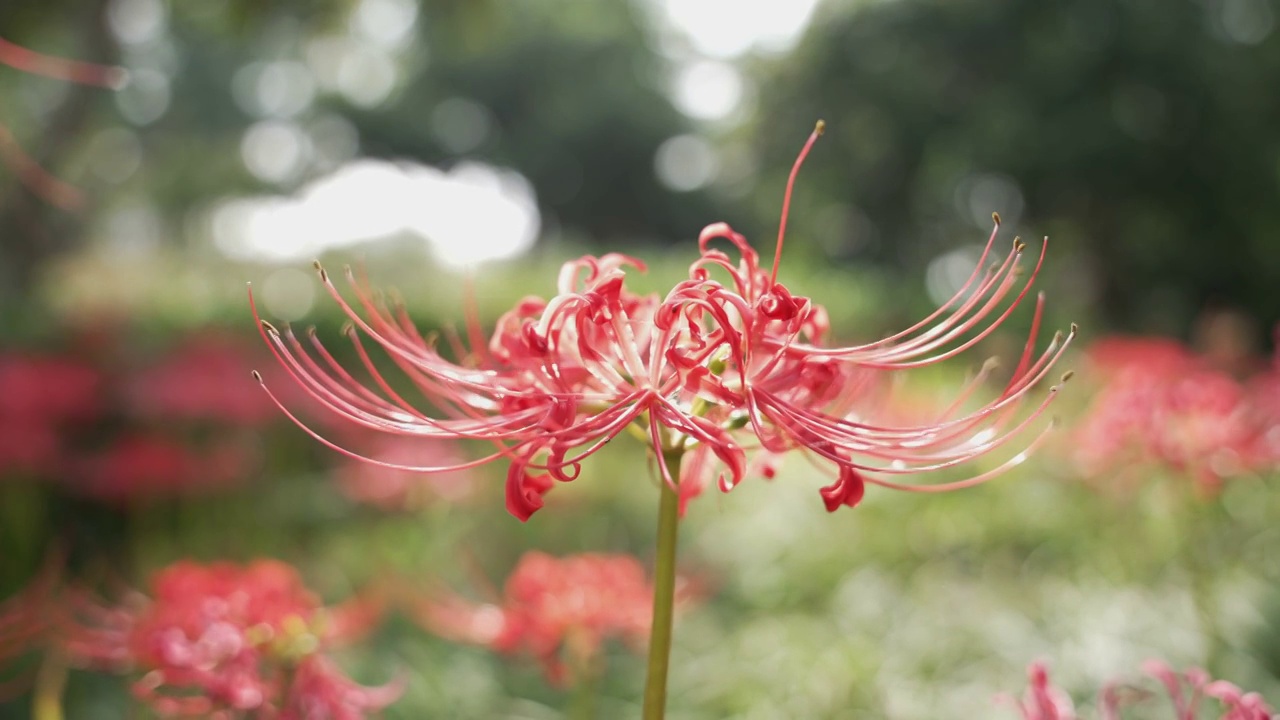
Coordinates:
[82,73]
[786,199]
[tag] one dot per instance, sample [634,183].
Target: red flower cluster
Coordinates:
[1160,403]
[118,432]
[715,368]
[223,640]
[1187,692]
[35,177]
[553,607]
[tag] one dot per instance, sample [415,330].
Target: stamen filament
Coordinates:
[818,129]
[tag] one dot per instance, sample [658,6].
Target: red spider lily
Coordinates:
[224,640]
[713,368]
[1187,692]
[1159,403]
[553,608]
[35,177]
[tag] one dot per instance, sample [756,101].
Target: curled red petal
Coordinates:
[524,489]
[848,490]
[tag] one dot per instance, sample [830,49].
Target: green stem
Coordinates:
[664,594]
[1198,562]
[583,704]
[51,679]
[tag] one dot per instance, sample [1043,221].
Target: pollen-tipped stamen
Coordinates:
[818,129]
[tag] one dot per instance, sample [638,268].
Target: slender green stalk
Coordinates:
[1198,560]
[585,693]
[664,594]
[50,680]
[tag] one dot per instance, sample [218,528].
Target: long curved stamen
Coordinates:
[471,311]
[818,129]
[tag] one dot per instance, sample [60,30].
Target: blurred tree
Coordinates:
[571,95]
[31,229]
[1139,134]
[61,125]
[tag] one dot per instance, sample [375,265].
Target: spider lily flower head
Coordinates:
[729,360]
[557,610]
[225,640]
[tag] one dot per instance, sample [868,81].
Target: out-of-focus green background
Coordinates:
[429,140]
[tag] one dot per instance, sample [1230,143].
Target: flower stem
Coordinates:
[664,594]
[1199,562]
[50,681]
[583,704]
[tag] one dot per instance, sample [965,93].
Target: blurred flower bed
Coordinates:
[1144,530]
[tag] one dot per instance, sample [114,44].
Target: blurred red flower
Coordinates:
[557,610]
[40,396]
[224,640]
[97,424]
[142,466]
[1187,691]
[1159,403]
[202,378]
